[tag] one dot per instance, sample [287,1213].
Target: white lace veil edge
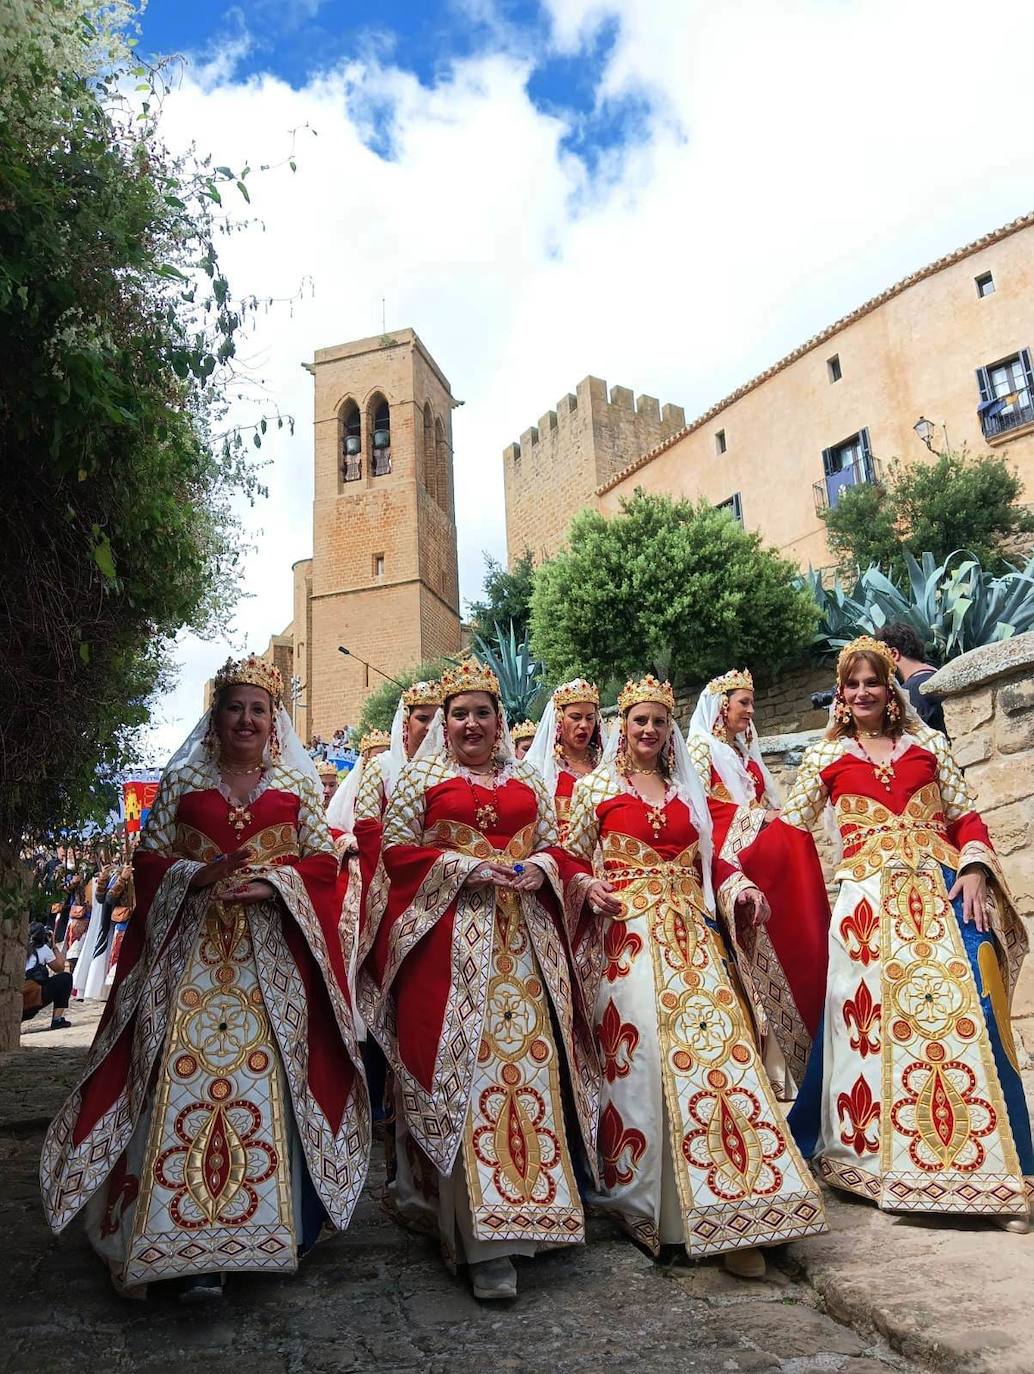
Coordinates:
[293,754]
[727,760]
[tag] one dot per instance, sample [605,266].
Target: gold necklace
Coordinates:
[240,772]
[645,772]
[872,734]
[655,817]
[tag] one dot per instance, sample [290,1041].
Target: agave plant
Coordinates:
[952,606]
[521,677]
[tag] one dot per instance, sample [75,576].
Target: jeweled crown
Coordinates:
[577,691]
[326,769]
[255,672]
[423,694]
[374,739]
[525,730]
[648,688]
[468,676]
[736,680]
[865,644]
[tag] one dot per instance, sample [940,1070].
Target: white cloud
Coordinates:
[799,158]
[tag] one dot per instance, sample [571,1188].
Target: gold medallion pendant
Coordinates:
[485,816]
[240,816]
[656,819]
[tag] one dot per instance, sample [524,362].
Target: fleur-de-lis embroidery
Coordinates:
[861,926]
[619,942]
[617,1041]
[617,1141]
[865,1014]
[856,1112]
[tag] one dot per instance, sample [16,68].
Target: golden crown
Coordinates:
[468,676]
[736,680]
[373,739]
[579,690]
[423,694]
[865,644]
[255,672]
[646,689]
[525,730]
[326,769]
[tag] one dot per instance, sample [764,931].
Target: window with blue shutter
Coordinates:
[1006,394]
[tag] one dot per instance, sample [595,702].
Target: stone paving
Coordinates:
[878,1294]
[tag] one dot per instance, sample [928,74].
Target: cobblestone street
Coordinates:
[377,1298]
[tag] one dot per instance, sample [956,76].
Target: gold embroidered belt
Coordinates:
[464,839]
[645,877]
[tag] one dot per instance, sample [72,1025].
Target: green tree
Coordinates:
[506,596]
[679,588]
[379,707]
[956,502]
[115,487]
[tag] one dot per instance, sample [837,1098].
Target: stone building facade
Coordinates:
[952,343]
[560,462]
[383,577]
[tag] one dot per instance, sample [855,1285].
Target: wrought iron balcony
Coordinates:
[828,491]
[1009,412]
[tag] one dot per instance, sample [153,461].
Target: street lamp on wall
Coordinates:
[924,431]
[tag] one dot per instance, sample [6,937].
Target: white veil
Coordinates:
[728,760]
[687,784]
[341,811]
[293,754]
[395,759]
[541,754]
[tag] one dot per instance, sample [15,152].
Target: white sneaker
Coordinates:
[493,1280]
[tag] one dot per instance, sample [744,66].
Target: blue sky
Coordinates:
[295,40]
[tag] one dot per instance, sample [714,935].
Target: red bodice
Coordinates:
[209,812]
[916,769]
[458,800]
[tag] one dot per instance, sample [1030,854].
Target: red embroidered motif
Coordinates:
[943,1118]
[213,1174]
[617,942]
[615,1142]
[617,1040]
[862,924]
[737,1147]
[856,1112]
[865,1014]
[517,1145]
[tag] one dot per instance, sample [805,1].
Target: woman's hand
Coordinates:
[221,868]
[771,815]
[490,875]
[599,895]
[753,901]
[972,884]
[346,844]
[529,879]
[255,891]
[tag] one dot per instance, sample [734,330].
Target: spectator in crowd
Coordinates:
[46,980]
[907,651]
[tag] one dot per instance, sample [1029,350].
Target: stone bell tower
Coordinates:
[383,579]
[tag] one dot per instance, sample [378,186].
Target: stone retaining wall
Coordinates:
[989,711]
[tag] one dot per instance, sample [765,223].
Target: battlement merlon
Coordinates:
[591,406]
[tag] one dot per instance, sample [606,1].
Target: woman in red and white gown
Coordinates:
[693,1147]
[467,987]
[356,818]
[568,743]
[222,1118]
[782,964]
[912,1096]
